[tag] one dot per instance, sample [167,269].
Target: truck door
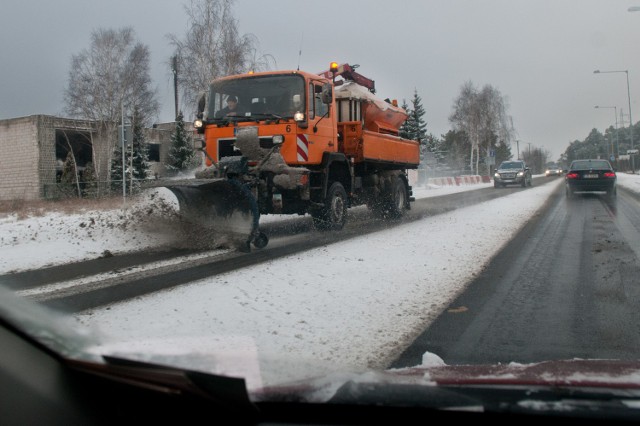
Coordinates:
[322,130]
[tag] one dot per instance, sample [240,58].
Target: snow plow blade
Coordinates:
[224,207]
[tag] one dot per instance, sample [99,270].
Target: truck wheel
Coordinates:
[334,213]
[397,203]
[261,240]
[393,201]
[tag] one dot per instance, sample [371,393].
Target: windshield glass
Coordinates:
[255,96]
[511,165]
[586,165]
[204,194]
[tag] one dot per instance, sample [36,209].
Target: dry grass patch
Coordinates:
[23,209]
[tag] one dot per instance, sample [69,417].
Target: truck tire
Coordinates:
[334,213]
[261,240]
[398,199]
[393,201]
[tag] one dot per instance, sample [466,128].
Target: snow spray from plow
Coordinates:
[224,206]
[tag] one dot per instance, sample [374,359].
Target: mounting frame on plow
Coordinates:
[224,205]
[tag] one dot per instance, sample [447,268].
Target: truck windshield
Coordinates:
[257,97]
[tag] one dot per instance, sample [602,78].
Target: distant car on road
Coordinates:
[553,171]
[513,172]
[590,176]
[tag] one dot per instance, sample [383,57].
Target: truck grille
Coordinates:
[226,147]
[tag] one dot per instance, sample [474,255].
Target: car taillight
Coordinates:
[571,175]
[609,174]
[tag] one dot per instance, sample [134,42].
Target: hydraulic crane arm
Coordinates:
[348,72]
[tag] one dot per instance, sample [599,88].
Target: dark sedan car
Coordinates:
[590,176]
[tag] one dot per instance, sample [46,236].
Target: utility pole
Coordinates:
[633,167]
[124,165]
[615,154]
[174,68]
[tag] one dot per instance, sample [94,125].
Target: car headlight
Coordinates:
[496,174]
[520,173]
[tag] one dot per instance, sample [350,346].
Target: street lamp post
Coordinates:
[633,168]
[615,112]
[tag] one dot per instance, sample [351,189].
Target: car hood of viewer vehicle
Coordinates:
[231,365]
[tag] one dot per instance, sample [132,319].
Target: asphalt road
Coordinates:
[567,286]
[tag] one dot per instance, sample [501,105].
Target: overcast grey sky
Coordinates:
[540,54]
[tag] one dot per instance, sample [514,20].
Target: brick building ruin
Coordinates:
[34,149]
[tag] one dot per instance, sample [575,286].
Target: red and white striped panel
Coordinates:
[303,147]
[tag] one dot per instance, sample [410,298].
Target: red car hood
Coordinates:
[572,372]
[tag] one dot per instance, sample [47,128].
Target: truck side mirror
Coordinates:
[327,93]
[201,104]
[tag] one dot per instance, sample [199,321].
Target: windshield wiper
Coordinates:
[581,402]
[228,392]
[267,115]
[230,120]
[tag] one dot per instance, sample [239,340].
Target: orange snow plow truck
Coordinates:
[294,142]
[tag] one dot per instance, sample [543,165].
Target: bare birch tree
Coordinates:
[466,117]
[110,76]
[213,48]
[482,115]
[495,121]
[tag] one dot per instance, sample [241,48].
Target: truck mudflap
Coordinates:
[225,206]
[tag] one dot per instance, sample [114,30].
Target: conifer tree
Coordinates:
[116,168]
[89,181]
[139,154]
[181,154]
[136,157]
[404,128]
[503,152]
[416,126]
[69,183]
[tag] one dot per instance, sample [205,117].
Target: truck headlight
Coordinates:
[278,139]
[198,125]
[298,116]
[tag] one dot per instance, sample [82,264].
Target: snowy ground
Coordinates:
[147,222]
[354,304]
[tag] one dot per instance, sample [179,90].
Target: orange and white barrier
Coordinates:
[458,180]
